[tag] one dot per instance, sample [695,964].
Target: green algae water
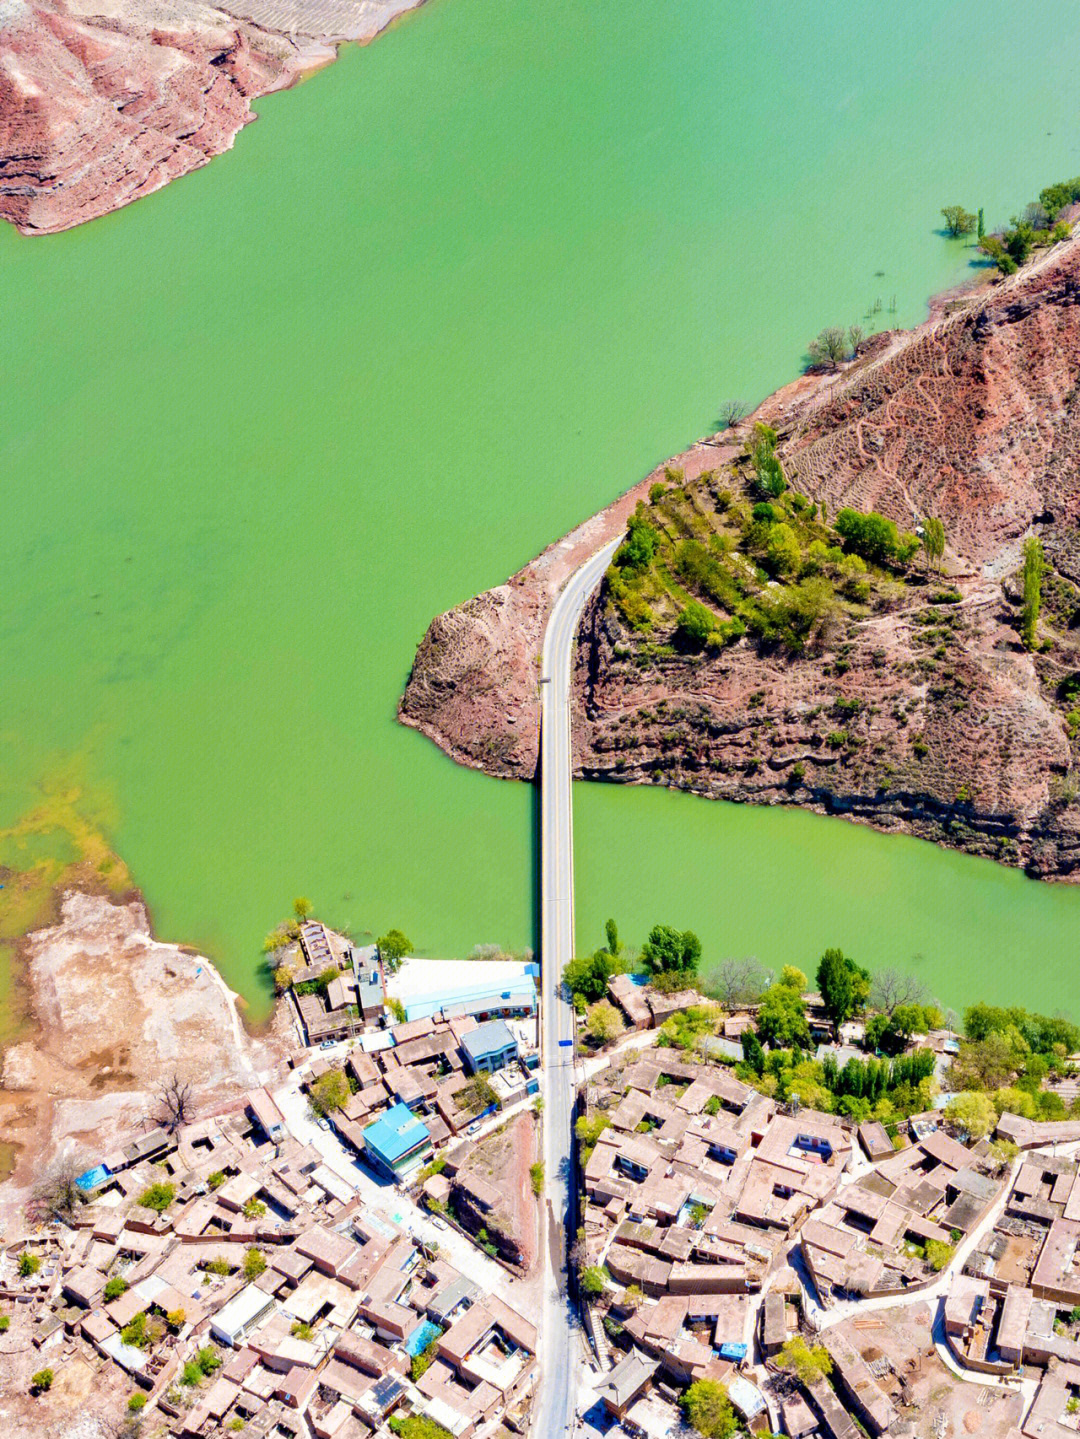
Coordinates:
[439,304]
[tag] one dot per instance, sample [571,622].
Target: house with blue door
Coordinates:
[489,1047]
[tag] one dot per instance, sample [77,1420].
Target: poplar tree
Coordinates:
[1034,566]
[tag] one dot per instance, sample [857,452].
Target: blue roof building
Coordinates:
[517,996]
[397,1143]
[489,1047]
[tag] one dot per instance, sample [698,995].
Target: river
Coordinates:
[441,302]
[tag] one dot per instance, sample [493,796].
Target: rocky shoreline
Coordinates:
[99,109]
[974,417]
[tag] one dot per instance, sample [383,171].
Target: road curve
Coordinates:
[554,1411]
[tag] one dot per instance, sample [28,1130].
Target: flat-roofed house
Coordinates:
[397,1143]
[241,1315]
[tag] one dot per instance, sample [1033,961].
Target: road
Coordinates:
[560,1342]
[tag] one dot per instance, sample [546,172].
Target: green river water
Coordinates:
[440,303]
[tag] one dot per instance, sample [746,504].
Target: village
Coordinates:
[351,1253]
[831,1278]
[352,1248]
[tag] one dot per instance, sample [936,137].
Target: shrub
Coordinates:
[176,1319]
[116,1286]
[218,1266]
[217,1179]
[137,1402]
[192,1374]
[208,1359]
[41,1382]
[5,1323]
[29,1264]
[536,1177]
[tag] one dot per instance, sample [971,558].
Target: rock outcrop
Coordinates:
[925,717]
[101,103]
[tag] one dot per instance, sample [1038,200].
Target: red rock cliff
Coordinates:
[962,736]
[102,104]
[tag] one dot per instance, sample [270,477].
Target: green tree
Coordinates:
[254,1263]
[1034,569]
[782,1018]
[844,987]
[694,626]
[959,221]
[980,227]
[393,947]
[611,934]
[994,249]
[752,1051]
[938,1254]
[637,550]
[158,1197]
[116,1286]
[933,541]
[668,950]
[589,975]
[29,1264]
[708,1409]
[479,1094]
[808,1363]
[604,1022]
[593,1280]
[792,978]
[329,1092]
[973,1113]
[829,348]
[301,908]
[782,550]
[871,536]
[536,1177]
[41,1382]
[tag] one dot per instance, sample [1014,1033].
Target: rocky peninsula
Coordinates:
[914,708]
[102,104]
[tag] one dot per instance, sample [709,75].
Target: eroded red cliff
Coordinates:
[959,735]
[103,103]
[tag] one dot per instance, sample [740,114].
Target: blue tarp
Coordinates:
[94,1178]
[733,1351]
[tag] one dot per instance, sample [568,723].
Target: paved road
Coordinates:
[560,1344]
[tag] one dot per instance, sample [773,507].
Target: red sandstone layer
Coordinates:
[102,104]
